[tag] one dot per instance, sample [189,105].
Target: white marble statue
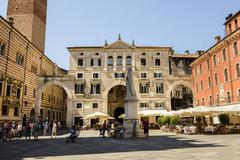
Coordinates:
[129,84]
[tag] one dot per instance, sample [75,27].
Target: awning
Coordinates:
[96,115]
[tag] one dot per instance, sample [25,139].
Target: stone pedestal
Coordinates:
[131,123]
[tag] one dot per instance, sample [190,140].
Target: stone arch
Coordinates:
[111,85]
[171,86]
[66,89]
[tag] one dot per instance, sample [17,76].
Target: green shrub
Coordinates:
[163,120]
[175,120]
[224,119]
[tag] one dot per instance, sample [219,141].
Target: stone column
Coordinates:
[37,106]
[124,61]
[69,116]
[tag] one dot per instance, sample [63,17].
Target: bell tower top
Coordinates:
[29,17]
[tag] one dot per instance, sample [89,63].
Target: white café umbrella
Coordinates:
[155,112]
[234,108]
[96,115]
[184,112]
[202,111]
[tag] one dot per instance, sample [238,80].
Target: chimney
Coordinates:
[217,38]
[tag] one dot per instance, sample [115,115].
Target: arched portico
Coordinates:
[171,86]
[69,99]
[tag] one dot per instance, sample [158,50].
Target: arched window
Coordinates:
[224,54]
[226,75]
[236,23]
[214,60]
[216,78]
[238,70]
[110,61]
[128,61]
[119,61]
[235,48]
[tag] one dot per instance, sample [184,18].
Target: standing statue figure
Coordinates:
[129,84]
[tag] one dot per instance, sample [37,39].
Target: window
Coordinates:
[159,88]
[110,61]
[203,101]
[238,95]
[79,88]
[1,84]
[128,61]
[224,55]
[49,98]
[94,105]
[238,70]
[195,70]
[157,62]
[34,69]
[97,54]
[196,87]
[226,75]
[19,59]
[201,85]
[80,62]
[143,75]
[25,90]
[4,110]
[228,97]
[119,75]
[216,78]
[214,60]
[34,92]
[209,81]
[18,93]
[42,96]
[79,105]
[2,48]
[210,100]
[15,111]
[236,23]
[80,76]
[95,75]
[198,102]
[143,54]
[143,62]
[217,99]
[208,64]
[144,105]
[157,75]
[230,28]
[95,88]
[158,54]
[200,68]
[95,62]
[235,48]
[159,105]
[8,91]
[119,61]
[143,87]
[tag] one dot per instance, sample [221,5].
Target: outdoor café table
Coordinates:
[210,129]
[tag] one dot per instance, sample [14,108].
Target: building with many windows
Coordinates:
[216,72]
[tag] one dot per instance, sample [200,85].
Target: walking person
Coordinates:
[36,129]
[104,128]
[54,130]
[45,128]
[27,131]
[19,130]
[145,128]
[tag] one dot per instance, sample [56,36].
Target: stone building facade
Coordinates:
[216,73]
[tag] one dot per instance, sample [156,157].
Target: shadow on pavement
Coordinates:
[19,149]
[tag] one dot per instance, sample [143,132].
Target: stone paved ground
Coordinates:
[159,146]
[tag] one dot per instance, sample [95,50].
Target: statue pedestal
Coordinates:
[131,123]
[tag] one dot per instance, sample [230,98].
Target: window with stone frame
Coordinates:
[9,89]
[2,48]
[95,75]
[200,68]
[203,101]
[18,93]
[236,24]
[235,48]
[95,62]
[80,62]
[128,61]
[210,100]
[143,62]
[201,85]
[95,88]
[143,75]
[230,28]
[214,60]
[25,90]
[144,105]
[16,111]
[110,61]
[216,78]
[143,88]
[80,76]
[208,64]
[159,88]
[228,97]
[79,105]
[226,75]
[34,92]
[224,57]
[157,75]
[79,88]
[159,105]
[95,105]
[119,61]
[20,59]
[34,69]
[157,62]
[196,87]
[119,75]
[209,81]
[217,99]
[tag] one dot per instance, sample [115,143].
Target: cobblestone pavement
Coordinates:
[159,146]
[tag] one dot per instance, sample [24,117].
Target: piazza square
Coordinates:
[119,97]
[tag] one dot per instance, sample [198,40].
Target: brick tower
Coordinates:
[29,17]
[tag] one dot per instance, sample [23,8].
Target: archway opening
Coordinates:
[116,99]
[181,97]
[32,114]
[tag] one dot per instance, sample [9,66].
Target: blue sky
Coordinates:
[183,25]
